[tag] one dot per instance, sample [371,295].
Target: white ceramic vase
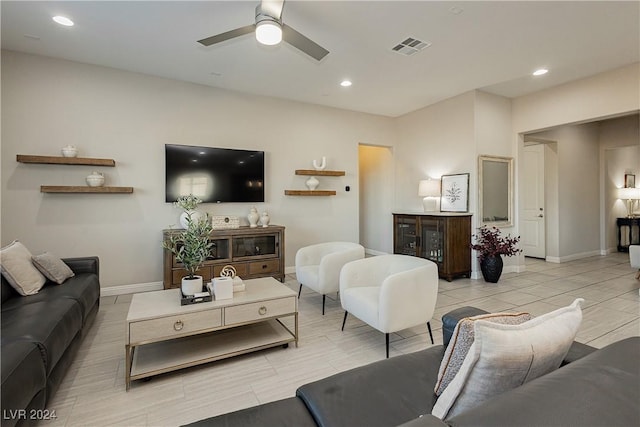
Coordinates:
[253,217]
[191,286]
[195,217]
[312,183]
[96,179]
[264,219]
[69,151]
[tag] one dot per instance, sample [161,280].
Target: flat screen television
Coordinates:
[216,175]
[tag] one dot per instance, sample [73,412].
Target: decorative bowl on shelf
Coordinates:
[69,151]
[96,179]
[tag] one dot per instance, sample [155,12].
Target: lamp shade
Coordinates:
[429,188]
[629,193]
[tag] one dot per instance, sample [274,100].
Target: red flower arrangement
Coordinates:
[489,242]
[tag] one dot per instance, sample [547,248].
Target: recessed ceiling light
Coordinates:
[540,72]
[63,20]
[345,83]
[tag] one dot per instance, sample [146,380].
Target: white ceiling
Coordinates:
[492,46]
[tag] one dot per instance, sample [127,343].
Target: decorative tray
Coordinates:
[195,299]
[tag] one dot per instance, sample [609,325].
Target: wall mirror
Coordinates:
[496,190]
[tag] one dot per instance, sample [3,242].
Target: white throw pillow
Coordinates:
[461,341]
[15,261]
[503,357]
[52,267]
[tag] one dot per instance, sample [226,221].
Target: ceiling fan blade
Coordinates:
[272,8]
[303,43]
[228,35]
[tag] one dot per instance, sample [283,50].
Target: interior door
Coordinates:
[532,225]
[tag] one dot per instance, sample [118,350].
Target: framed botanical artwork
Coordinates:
[629,180]
[455,193]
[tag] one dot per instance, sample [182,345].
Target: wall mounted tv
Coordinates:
[216,175]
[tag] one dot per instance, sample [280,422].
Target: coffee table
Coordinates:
[163,336]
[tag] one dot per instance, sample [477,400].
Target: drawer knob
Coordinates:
[264,266]
[262,310]
[178,325]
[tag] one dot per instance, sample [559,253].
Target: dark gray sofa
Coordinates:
[592,388]
[40,335]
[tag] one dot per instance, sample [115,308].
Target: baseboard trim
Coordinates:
[131,289]
[573,257]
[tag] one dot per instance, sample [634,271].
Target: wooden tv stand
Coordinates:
[254,252]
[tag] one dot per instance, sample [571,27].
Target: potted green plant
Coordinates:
[189,205]
[191,247]
[491,245]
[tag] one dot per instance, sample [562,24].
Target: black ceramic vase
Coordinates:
[491,267]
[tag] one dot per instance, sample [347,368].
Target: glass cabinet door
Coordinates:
[432,240]
[256,246]
[405,233]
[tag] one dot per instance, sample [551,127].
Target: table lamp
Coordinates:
[430,190]
[630,194]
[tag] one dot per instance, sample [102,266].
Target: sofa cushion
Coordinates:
[17,268]
[83,288]
[503,357]
[600,389]
[23,375]
[52,267]
[384,393]
[461,340]
[286,412]
[50,324]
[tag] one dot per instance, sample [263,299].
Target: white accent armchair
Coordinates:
[634,258]
[390,292]
[318,266]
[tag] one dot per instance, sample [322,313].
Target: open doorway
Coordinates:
[375,180]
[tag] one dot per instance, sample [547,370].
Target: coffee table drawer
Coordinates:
[174,326]
[259,310]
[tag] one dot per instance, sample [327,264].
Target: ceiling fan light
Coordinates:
[268,32]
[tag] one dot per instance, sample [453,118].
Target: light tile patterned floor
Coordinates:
[93,392]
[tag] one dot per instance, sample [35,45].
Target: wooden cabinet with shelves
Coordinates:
[254,252]
[76,161]
[443,238]
[313,172]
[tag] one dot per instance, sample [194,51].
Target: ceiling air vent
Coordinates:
[410,46]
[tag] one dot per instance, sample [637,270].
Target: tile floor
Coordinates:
[93,392]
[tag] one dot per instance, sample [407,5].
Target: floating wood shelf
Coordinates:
[313,172]
[58,160]
[83,189]
[309,193]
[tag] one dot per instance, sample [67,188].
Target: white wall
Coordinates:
[49,103]
[603,95]
[432,142]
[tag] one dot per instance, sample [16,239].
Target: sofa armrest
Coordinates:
[84,264]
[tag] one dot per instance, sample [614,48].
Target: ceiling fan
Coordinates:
[270,30]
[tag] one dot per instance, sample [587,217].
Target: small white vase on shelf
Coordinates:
[196,216]
[191,286]
[264,219]
[321,166]
[312,183]
[253,217]
[69,151]
[96,179]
